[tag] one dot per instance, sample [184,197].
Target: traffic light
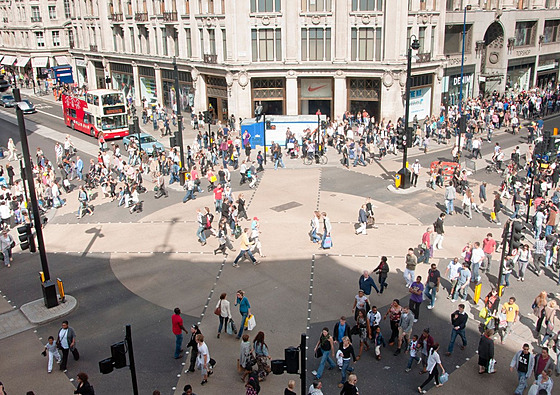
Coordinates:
[118,355]
[26,239]
[463,124]
[174,140]
[516,236]
[409,133]
[400,140]
[207,118]
[106,366]
[268,125]
[323,124]
[548,141]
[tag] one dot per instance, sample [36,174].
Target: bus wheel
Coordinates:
[92,132]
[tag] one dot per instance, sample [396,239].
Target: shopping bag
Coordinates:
[483,313]
[251,323]
[443,378]
[534,390]
[492,366]
[229,329]
[493,216]
[328,242]
[477,290]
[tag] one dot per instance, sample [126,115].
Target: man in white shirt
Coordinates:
[452,273]
[415,172]
[477,258]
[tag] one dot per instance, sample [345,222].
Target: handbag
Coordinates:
[492,366]
[218,310]
[534,390]
[444,378]
[251,323]
[75,353]
[229,328]
[318,352]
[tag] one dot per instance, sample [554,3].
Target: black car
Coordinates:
[7,101]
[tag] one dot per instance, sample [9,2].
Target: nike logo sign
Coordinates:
[314,88]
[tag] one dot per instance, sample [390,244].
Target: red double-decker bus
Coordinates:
[101,110]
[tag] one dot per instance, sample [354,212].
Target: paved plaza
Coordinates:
[135,269]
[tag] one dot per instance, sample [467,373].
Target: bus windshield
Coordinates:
[112,99]
[117,122]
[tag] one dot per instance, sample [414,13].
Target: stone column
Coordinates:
[341,9]
[340,94]
[291,93]
[137,88]
[91,75]
[159,83]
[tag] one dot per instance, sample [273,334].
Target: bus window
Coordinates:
[71,113]
[95,100]
[89,98]
[88,118]
[109,123]
[112,99]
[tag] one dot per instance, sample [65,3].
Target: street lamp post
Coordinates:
[462,123]
[413,44]
[180,117]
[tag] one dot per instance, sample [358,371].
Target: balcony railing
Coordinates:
[170,16]
[210,59]
[93,48]
[141,17]
[36,19]
[117,17]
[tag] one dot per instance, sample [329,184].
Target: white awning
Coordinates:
[39,62]
[61,60]
[22,62]
[8,60]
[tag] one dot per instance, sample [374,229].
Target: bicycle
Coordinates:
[310,158]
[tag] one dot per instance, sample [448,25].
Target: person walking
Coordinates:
[485,351]
[244,309]
[410,262]
[449,198]
[511,310]
[84,387]
[438,228]
[349,387]
[394,312]
[327,230]
[415,173]
[452,274]
[366,282]
[382,269]
[244,248]
[51,351]
[201,221]
[326,346]
[432,285]
[497,207]
[224,310]
[178,329]
[522,363]
[203,359]
[488,246]
[362,220]
[522,259]
[315,223]
[6,245]
[416,290]
[405,329]
[194,347]
[347,353]
[462,283]
[66,342]
[459,322]
[434,361]
[262,355]
[246,357]
[426,247]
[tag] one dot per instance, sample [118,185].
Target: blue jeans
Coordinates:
[314,236]
[242,325]
[223,323]
[459,292]
[219,205]
[515,211]
[241,253]
[415,358]
[325,358]
[522,377]
[505,279]
[178,344]
[430,293]
[454,334]
[346,368]
[382,284]
[548,258]
[449,206]
[475,274]
[548,230]
[189,196]
[200,234]
[277,162]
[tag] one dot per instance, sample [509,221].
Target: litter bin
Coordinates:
[277,366]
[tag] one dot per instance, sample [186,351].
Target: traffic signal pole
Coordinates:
[503,256]
[131,359]
[179,116]
[49,287]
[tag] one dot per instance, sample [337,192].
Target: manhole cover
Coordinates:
[286,206]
